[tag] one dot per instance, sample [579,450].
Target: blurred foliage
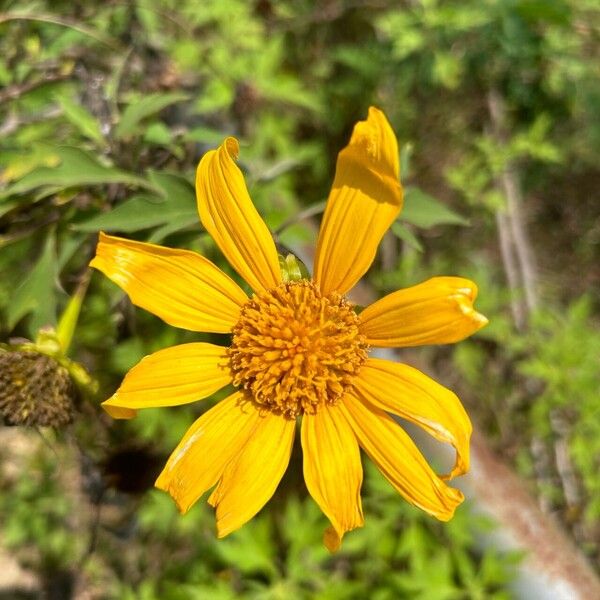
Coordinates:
[279,554]
[105,109]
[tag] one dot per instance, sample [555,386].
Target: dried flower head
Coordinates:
[35,390]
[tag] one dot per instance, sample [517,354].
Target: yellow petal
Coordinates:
[437,311]
[117,412]
[208,446]
[228,214]
[251,478]
[181,287]
[173,376]
[332,470]
[410,394]
[365,199]
[400,461]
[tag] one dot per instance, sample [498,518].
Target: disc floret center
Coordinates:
[295,349]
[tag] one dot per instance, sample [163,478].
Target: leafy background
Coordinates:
[105,109]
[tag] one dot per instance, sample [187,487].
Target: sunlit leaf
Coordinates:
[139,212]
[177,223]
[424,211]
[176,206]
[76,168]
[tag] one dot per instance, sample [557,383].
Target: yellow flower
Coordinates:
[298,349]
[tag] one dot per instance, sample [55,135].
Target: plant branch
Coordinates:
[511,227]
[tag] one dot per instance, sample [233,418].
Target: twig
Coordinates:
[564,466]
[16,91]
[510,268]
[514,221]
[543,474]
[12,122]
[513,192]
[553,564]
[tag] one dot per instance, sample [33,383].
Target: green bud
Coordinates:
[292,268]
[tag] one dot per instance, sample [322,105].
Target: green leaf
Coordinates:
[176,207]
[252,549]
[424,211]
[205,135]
[402,232]
[178,223]
[447,69]
[217,94]
[69,245]
[158,133]
[145,107]
[76,168]
[172,186]
[37,292]
[6,206]
[81,118]
[139,212]
[406,154]
[540,10]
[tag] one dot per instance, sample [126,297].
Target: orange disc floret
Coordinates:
[294,348]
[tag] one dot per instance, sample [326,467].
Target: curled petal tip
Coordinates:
[232,146]
[332,540]
[118,412]
[365,199]
[480,319]
[437,311]
[465,304]
[182,509]
[457,500]
[162,484]
[231,219]
[470,292]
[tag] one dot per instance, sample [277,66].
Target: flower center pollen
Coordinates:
[295,349]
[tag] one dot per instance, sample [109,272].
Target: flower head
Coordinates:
[299,349]
[35,389]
